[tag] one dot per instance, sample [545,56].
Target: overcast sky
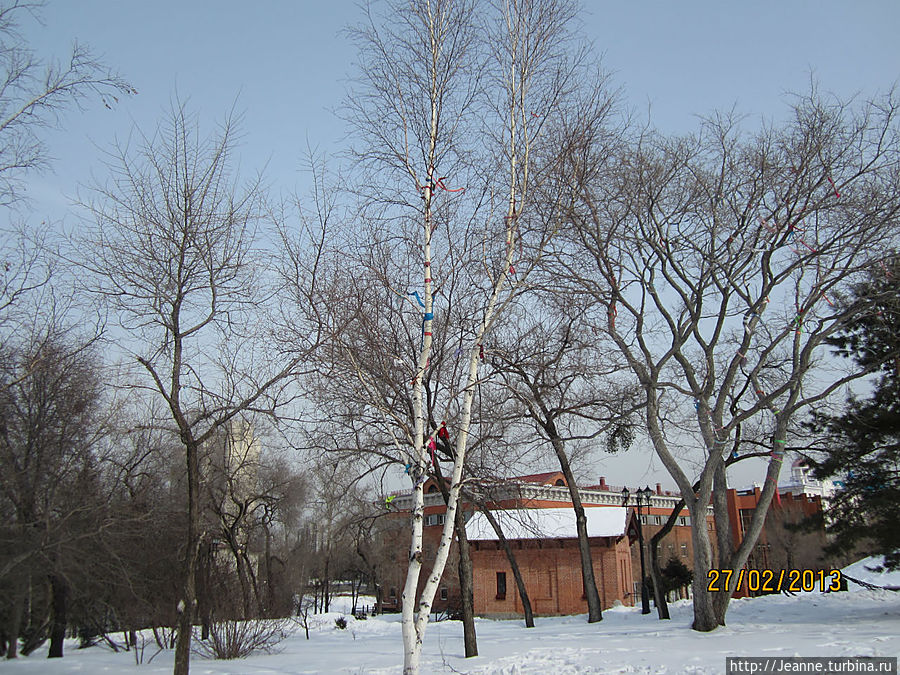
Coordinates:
[284,66]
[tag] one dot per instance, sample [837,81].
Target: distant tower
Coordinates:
[241,458]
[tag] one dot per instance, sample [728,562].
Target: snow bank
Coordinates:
[871,570]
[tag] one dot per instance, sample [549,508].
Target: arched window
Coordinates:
[432,489]
[560,482]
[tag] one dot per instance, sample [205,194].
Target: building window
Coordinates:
[443,594]
[393,592]
[435,519]
[657,520]
[501,585]
[560,483]
[684,520]
[432,489]
[643,520]
[684,550]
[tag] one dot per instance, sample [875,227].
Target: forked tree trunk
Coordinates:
[738,557]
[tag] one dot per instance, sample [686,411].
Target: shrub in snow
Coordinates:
[341,622]
[240,639]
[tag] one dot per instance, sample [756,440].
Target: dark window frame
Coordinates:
[501,585]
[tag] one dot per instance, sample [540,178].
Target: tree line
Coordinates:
[510,270]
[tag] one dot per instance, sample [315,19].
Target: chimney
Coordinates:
[659,488]
[603,485]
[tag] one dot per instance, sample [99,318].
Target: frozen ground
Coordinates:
[857,623]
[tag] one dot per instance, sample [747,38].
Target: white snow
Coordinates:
[871,570]
[863,623]
[608,521]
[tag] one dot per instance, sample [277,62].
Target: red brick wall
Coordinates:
[552,573]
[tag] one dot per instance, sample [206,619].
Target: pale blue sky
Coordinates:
[286,65]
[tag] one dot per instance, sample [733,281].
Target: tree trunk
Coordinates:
[584,544]
[466,586]
[724,539]
[203,591]
[187,606]
[517,573]
[59,591]
[17,607]
[659,596]
[246,590]
[326,584]
[704,612]
[464,566]
[270,586]
[662,605]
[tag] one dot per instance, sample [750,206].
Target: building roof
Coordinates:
[546,478]
[604,521]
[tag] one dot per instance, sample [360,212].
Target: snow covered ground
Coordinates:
[871,571]
[857,623]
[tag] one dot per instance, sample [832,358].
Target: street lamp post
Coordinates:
[641,497]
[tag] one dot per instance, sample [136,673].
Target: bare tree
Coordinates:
[33,95]
[50,408]
[173,254]
[425,65]
[715,264]
[565,385]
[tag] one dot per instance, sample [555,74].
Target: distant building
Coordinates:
[533,512]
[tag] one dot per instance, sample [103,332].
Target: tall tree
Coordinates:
[566,390]
[715,264]
[173,252]
[425,66]
[49,423]
[860,447]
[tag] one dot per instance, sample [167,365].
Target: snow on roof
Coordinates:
[602,521]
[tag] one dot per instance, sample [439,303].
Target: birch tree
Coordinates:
[717,263]
[451,95]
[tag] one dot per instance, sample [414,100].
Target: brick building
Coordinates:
[546,549]
[781,544]
[529,508]
[527,494]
